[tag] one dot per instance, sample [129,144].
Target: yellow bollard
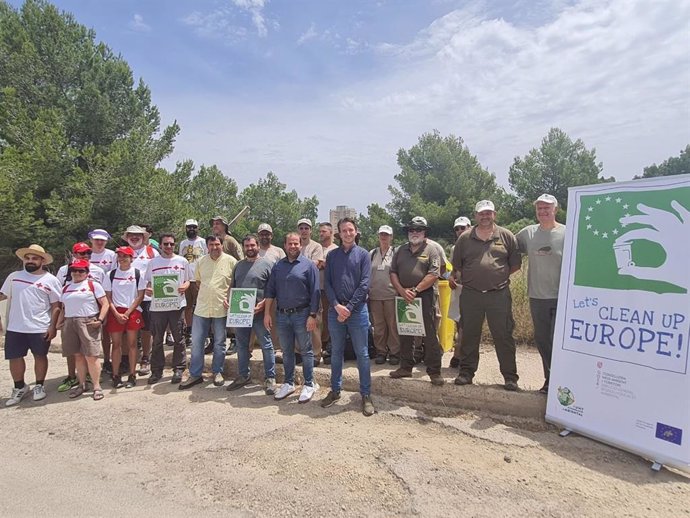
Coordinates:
[446,330]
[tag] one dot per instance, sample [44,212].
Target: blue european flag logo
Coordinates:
[669,433]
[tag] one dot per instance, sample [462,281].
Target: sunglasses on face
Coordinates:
[460,228]
[167,244]
[89,252]
[79,271]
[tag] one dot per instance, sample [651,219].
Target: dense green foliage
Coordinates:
[675,165]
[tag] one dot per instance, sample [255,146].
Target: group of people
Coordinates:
[313,299]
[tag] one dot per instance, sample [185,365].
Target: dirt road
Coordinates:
[156,450]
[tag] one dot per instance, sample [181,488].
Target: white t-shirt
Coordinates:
[106,260]
[176,265]
[31,297]
[124,287]
[80,301]
[95,274]
[142,259]
[192,251]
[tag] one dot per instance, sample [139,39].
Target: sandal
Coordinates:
[76,391]
[97,394]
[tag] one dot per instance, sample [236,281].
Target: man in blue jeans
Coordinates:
[213,277]
[347,285]
[294,288]
[253,272]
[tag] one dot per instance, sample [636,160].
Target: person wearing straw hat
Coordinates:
[32,309]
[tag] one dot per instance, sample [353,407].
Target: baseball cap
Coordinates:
[80,248]
[79,264]
[484,205]
[191,223]
[99,233]
[385,229]
[127,250]
[462,221]
[304,221]
[265,227]
[547,198]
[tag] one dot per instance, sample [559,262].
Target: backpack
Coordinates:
[150,254]
[90,282]
[137,276]
[374,251]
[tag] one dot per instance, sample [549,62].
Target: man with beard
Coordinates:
[220,228]
[193,248]
[136,237]
[414,270]
[213,276]
[327,244]
[253,272]
[33,305]
[314,251]
[294,288]
[266,248]
[168,263]
[486,256]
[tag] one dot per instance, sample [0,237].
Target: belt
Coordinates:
[483,291]
[290,311]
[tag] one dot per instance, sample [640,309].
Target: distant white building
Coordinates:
[340,212]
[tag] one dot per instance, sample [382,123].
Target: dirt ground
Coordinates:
[216,453]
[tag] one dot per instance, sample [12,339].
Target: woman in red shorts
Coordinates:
[124,288]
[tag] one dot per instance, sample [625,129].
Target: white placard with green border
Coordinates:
[241,305]
[166,296]
[619,372]
[409,317]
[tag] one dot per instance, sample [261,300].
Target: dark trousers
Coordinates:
[160,321]
[432,348]
[544,321]
[496,307]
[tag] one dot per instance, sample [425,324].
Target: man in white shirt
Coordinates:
[101,256]
[167,275]
[312,250]
[193,248]
[33,305]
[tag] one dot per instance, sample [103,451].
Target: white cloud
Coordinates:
[307,35]
[224,23]
[255,8]
[137,24]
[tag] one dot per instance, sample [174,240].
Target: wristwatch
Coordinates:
[415,290]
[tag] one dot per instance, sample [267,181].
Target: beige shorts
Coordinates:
[78,338]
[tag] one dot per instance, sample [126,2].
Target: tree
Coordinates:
[439,179]
[270,202]
[369,225]
[210,194]
[557,164]
[674,165]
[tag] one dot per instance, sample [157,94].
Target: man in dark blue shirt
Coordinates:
[294,287]
[347,285]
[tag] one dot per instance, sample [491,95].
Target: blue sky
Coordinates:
[324,92]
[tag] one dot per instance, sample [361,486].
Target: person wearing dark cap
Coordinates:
[32,296]
[486,256]
[415,269]
[220,228]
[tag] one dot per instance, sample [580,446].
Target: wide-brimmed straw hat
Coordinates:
[36,250]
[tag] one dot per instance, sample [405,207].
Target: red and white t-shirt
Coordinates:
[95,274]
[105,260]
[142,258]
[124,287]
[175,265]
[30,299]
[80,300]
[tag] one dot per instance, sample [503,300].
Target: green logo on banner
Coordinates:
[242,301]
[165,286]
[634,240]
[410,313]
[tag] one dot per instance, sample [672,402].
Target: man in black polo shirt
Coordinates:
[485,258]
[414,271]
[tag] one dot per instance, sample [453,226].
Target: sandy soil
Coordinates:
[212,452]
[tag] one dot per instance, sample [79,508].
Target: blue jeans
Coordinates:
[357,325]
[243,334]
[200,328]
[291,327]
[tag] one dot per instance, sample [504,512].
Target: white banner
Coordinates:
[619,371]
[409,317]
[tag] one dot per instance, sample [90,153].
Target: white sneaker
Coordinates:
[308,392]
[39,392]
[17,395]
[284,391]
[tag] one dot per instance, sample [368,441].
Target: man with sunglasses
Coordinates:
[80,252]
[415,269]
[168,263]
[461,224]
[33,305]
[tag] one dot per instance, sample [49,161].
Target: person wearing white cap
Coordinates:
[266,248]
[543,244]
[459,226]
[32,310]
[101,256]
[327,244]
[314,251]
[192,248]
[486,256]
[382,300]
